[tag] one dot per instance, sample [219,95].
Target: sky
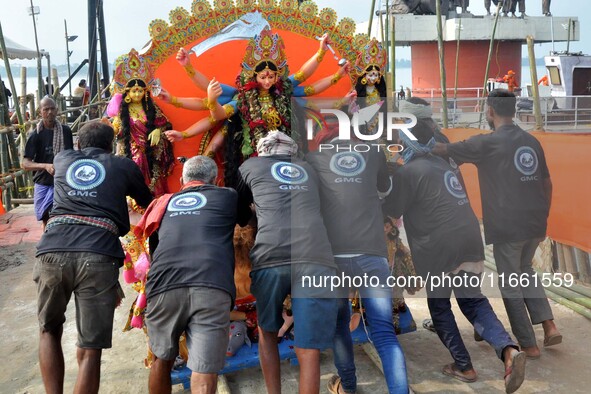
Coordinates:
[127,23]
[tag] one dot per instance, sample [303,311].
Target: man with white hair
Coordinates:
[190,287]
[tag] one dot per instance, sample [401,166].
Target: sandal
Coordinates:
[515,374]
[334,384]
[553,340]
[454,372]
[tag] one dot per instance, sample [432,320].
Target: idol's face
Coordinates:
[137,93]
[372,77]
[266,79]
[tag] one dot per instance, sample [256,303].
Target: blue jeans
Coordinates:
[475,306]
[378,311]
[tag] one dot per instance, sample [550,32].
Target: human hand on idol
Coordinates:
[165,96]
[345,69]
[173,135]
[324,42]
[182,57]
[214,90]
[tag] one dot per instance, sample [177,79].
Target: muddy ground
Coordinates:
[562,369]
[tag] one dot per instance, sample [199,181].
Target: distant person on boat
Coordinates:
[401,93]
[495,2]
[291,244]
[512,8]
[48,139]
[82,91]
[546,7]
[445,241]
[80,254]
[454,4]
[511,81]
[190,286]
[516,192]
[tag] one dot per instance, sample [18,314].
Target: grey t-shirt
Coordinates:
[195,241]
[441,227]
[511,171]
[352,212]
[289,223]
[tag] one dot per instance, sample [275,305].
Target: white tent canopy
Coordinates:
[17,51]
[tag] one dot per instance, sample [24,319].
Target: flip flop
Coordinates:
[451,370]
[553,340]
[515,374]
[428,325]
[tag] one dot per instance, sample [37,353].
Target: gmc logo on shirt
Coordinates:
[81,193]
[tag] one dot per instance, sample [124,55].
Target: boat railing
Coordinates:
[570,114]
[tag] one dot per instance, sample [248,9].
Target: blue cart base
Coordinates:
[248,357]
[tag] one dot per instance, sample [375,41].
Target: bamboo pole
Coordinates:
[39,74]
[534,83]
[373,7]
[441,64]
[457,61]
[490,51]
[382,30]
[23,97]
[393,54]
[570,21]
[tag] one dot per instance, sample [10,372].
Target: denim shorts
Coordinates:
[203,313]
[94,280]
[314,316]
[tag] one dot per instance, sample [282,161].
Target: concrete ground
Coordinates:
[561,369]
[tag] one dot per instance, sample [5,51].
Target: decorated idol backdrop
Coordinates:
[213,31]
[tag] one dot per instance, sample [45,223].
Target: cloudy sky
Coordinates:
[127,22]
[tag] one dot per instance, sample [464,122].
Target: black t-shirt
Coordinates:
[511,171]
[351,208]
[441,227]
[92,182]
[289,222]
[195,241]
[39,148]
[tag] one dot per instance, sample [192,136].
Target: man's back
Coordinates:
[93,183]
[194,245]
[511,170]
[351,209]
[289,224]
[442,230]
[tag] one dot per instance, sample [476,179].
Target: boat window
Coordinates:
[554,73]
